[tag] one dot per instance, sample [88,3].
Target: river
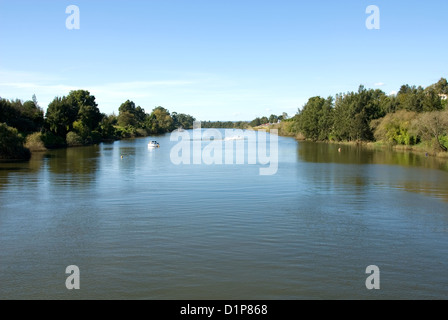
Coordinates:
[139,226]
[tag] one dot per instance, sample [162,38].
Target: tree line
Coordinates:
[414,115]
[76,120]
[259,121]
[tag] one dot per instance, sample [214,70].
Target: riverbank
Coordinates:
[423,148]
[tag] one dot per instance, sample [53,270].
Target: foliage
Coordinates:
[25,117]
[396,128]
[35,143]
[11,144]
[182,120]
[433,126]
[52,141]
[316,118]
[74,140]
[354,112]
[160,121]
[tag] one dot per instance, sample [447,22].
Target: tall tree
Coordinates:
[61,114]
[159,121]
[433,125]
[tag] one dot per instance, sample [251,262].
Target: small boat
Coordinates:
[153,144]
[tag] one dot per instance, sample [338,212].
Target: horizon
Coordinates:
[217,61]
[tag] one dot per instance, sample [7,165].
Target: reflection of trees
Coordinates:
[31,166]
[363,177]
[79,165]
[352,154]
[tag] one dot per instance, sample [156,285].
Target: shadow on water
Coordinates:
[367,169]
[20,168]
[74,166]
[328,153]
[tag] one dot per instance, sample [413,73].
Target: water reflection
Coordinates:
[352,154]
[73,166]
[360,169]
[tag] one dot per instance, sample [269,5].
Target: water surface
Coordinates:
[143,228]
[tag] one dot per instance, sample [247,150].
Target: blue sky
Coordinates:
[216,59]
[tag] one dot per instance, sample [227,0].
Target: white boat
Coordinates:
[234,138]
[153,144]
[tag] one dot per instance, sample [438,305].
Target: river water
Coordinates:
[141,227]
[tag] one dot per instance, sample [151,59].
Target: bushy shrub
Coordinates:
[73,139]
[11,144]
[52,141]
[396,128]
[34,142]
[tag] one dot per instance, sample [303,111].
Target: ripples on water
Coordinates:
[141,227]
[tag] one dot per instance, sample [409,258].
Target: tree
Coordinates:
[126,119]
[130,115]
[34,99]
[433,126]
[90,116]
[396,128]
[25,117]
[411,98]
[264,120]
[11,144]
[354,112]
[61,113]
[316,118]
[107,128]
[273,118]
[78,111]
[431,101]
[255,123]
[128,106]
[159,121]
[441,87]
[182,120]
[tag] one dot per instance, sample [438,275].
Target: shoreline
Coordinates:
[380,145]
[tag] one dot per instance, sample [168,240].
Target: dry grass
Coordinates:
[34,142]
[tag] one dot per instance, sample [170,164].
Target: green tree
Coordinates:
[61,113]
[77,112]
[25,117]
[354,112]
[255,123]
[182,120]
[107,127]
[396,128]
[273,118]
[441,87]
[411,98]
[11,144]
[431,101]
[264,120]
[74,140]
[159,121]
[127,119]
[433,126]
[316,118]
[131,116]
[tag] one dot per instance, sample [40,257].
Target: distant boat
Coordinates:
[153,144]
[234,138]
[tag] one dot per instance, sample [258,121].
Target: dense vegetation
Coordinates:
[76,120]
[245,124]
[415,115]
[11,144]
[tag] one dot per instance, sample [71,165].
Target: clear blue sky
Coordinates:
[216,59]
